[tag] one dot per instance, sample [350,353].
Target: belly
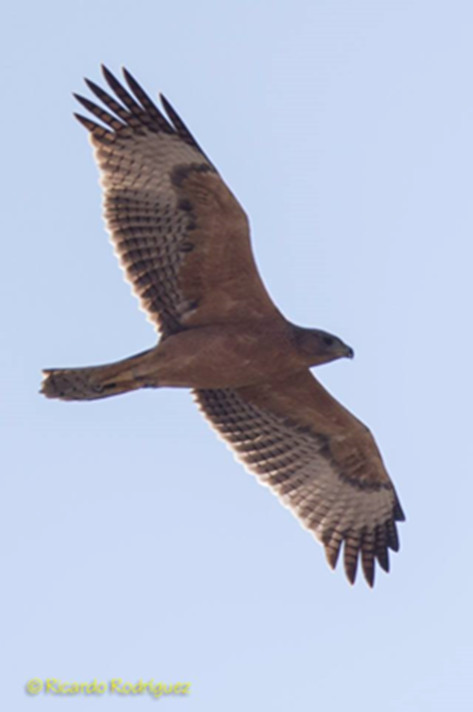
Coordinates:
[227,357]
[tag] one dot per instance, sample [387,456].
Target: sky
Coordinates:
[133,545]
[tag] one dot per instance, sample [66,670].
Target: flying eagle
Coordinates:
[183,241]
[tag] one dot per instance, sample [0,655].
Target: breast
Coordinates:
[226,356]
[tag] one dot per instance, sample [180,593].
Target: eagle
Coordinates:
[183,241]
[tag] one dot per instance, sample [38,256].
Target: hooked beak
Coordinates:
[349,353]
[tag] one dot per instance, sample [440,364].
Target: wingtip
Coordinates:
[92,85]
[132,83]
[127,74]
[165,103]
[331,554]
[399,515]
[83,101]
[351,577]
[135,87]
[383,559]
[369,576]
[107,74]
[86,123]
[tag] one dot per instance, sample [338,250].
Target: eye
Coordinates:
[328,341]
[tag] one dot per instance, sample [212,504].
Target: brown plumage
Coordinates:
[183,241]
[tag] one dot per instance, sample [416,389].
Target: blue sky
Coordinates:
[134,546]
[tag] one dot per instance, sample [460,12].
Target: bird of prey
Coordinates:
[183,241]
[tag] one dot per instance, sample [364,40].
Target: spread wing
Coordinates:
[321,461]
[181,236]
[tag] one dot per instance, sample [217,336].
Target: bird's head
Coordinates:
[320,346]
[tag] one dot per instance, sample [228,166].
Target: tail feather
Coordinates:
[94,382]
